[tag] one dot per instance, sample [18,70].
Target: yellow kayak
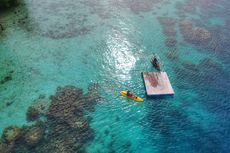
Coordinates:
[133,97]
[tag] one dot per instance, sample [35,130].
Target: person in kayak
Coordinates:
[155,63]
[129,94]
[154,60]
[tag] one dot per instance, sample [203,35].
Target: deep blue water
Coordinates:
[105,45]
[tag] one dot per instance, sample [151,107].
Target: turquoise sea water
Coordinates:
[47,44]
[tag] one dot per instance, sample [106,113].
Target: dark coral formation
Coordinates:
[203,32]
[64,106]
[57,31]
[8,3]
[6,147]
[199,31]
[47,22]
[11,133]
[194,34]
[38,108]
[22,139]
[66,122]
[138,6]
[66,32]
[33,134]
[7,78]
[64,129]
[41,104]
[9,137]
[169,29]
[32,114]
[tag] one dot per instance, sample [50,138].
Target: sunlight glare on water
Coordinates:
[119,54]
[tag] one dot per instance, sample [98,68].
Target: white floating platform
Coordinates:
[157,84]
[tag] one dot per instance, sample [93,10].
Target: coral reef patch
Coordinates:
[38,108]
[169,29]
[64,129]
[11,133]
[136,6]
[51,24]
[41,104]
[32,114]
[194,34]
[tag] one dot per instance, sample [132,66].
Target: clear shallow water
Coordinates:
[110,43]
